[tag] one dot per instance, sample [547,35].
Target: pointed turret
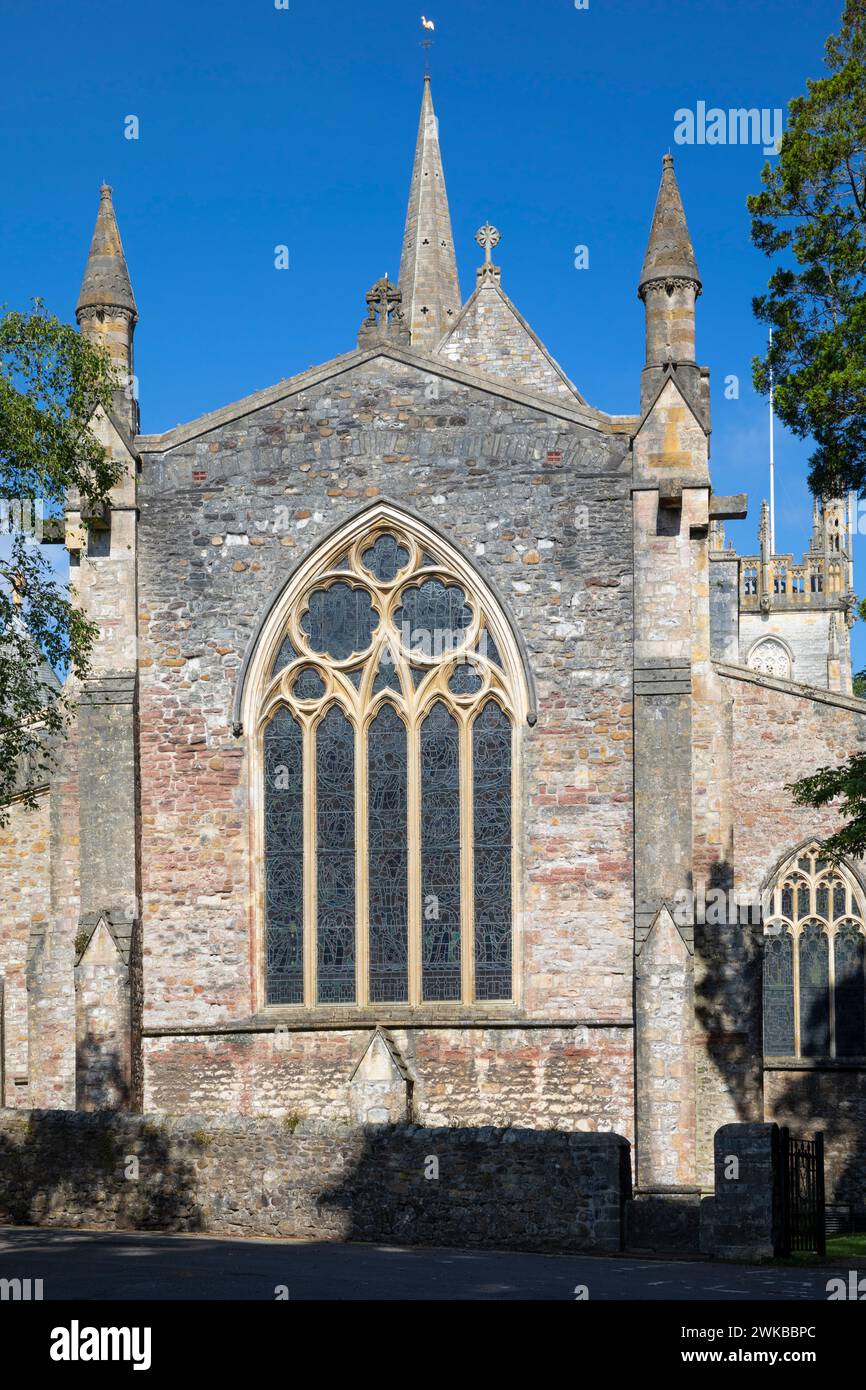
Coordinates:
[669,286]
[669,252]
[428,268]
[106,310]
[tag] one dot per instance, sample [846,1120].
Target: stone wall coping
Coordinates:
[806,692]
[815,1064]
[307,1021]
[198,1124]
[432,366]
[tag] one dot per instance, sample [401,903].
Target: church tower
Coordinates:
[796,613]
[428,267]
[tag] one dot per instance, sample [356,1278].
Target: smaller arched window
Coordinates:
[770,657]
[814,945]
[750,580]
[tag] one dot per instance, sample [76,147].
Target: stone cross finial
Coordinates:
[384,313]
[488,237]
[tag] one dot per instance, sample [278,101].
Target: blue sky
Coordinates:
[261,126]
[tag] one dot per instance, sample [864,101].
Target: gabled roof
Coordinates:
[490,333]
[576,413]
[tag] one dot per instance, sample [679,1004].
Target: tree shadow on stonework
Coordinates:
[728,1003]
[96,1169]
[100,1082]
[833,1101]
[483,1188]
[729,1012]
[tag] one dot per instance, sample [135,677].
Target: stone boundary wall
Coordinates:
[741,1221]
[485,1187]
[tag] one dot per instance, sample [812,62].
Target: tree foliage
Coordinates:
[811,216]
[51,382]
[847,785]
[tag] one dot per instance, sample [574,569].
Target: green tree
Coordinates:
[51,382]
[845,784]
[811,213]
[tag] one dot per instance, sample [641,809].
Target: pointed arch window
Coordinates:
[387,737]
[814,954]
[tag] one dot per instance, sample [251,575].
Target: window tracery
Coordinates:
[814,943]
[387,728]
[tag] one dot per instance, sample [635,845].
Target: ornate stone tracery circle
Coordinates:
[770,658]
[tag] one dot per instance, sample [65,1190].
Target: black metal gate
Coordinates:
[800,1193]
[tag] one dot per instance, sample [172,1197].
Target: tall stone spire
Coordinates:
[428,268]
[669,286]
[106,310]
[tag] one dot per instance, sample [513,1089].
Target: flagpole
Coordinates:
[772,463]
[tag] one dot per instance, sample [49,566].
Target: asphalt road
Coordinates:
[95,1265]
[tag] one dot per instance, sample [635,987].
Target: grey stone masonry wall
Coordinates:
[741,1221]
[724,606]
[531,1189]
[491,335]
[538,502]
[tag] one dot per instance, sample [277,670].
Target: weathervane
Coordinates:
[427,43]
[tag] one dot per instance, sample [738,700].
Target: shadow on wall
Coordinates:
[729,1010]
[485,1187]
[238,1175]
[67,1168]
[832,1100]
[100,1082]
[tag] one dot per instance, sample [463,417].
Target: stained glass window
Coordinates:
[433,618]
[487,647]
[388,856]
[386,677]
[779,995]
[285,656]
[284,859]
[335,851]
[406,718]
[491,754]
[814,991]
[440,855]
[848,947]
[465,680]
[340,621]
[309,685]
[386,558]
[823,956]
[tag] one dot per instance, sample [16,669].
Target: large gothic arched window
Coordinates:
[814,943]
[386,726]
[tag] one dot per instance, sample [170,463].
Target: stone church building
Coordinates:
[430,712]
